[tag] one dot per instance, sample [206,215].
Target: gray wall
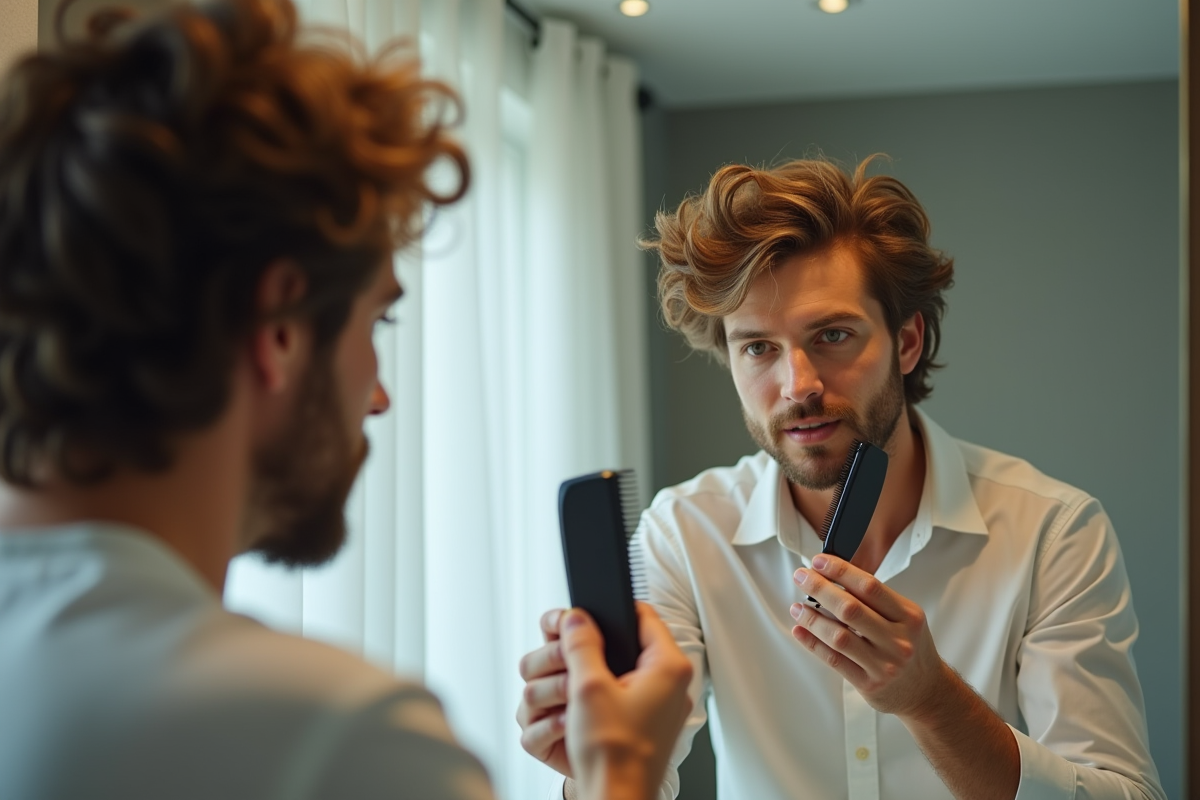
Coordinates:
[1061,209]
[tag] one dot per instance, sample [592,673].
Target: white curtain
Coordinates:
[519,361]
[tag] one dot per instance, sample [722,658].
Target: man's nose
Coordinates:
[803,381]
[380,402]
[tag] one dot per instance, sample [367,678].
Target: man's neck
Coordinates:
[194,507]
[898,503]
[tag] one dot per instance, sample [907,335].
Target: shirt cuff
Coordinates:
[558,790]
[1045,775]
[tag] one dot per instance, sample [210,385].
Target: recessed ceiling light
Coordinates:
[833,6]
[633,8]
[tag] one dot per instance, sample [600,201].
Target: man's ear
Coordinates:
[910,341]
[279,341]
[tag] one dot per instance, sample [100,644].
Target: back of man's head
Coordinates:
[148,175]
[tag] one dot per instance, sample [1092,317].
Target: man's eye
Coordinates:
[756,348]
[834,337]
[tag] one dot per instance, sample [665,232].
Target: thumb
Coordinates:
[652,631]
[582,645]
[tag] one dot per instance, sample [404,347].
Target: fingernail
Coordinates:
[801,576]
[573,619]
[820,562]
[556,619]
[795,611]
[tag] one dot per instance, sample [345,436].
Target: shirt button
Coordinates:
[862,754]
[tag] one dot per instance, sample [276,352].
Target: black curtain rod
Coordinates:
[644,98]
[535,24]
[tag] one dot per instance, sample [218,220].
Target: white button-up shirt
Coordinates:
[1026,595]
[123,678]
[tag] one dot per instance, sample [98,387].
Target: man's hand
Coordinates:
[607,733]
[876,639]
[880,642]
[542,713]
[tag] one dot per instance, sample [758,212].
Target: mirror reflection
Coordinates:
[1042,142]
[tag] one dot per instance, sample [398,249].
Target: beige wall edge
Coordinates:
[19,32]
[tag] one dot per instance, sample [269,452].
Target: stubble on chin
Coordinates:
[820,467]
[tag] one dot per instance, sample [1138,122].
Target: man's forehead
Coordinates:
[820,284]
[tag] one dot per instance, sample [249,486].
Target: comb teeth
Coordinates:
[637,570]
[823,534]
[631,513]
[631,510]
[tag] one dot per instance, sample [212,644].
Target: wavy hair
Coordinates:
[749,220]
[149,173]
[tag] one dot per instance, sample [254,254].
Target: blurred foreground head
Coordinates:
[149,174]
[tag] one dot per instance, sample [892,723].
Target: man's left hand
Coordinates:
[876,639]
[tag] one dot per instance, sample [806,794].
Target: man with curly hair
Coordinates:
[978,643]
[197,217]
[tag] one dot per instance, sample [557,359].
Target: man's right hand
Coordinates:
[605,732]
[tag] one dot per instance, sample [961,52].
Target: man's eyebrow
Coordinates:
[744,334]
[740,335]
[834,319]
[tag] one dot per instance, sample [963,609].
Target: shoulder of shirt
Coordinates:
[719,484]
[352,721]
[1013,474]
[232,654]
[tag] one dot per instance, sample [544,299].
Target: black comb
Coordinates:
[597,515]
[854,500]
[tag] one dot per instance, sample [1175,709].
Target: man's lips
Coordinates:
[811,431]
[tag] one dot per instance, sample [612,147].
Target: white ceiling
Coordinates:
[717,52]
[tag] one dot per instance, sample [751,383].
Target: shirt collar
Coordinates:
[770,512]
[762,519]
[953,506]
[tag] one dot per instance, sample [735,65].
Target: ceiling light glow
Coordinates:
[833,6]
[633,8]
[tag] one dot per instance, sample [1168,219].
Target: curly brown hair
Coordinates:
[749,220]
[149,173]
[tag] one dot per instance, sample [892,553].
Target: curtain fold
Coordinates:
[463,630]
[517,362]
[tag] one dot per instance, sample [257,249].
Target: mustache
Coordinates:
[799,412]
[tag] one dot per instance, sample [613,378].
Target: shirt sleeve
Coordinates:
[1077,685]
[669,590]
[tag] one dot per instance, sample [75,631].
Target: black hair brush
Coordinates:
[854,501]
[598,515]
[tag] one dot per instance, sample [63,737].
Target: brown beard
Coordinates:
[303,477]
[822,469]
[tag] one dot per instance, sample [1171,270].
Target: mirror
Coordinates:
[1043,141]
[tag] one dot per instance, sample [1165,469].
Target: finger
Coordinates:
[661,658]
[544,693]
[582,649]
[527,715]
[839,603]
[862,585]
[841,664]
[832,633]
[549,624]
[546,660]
[538,738]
